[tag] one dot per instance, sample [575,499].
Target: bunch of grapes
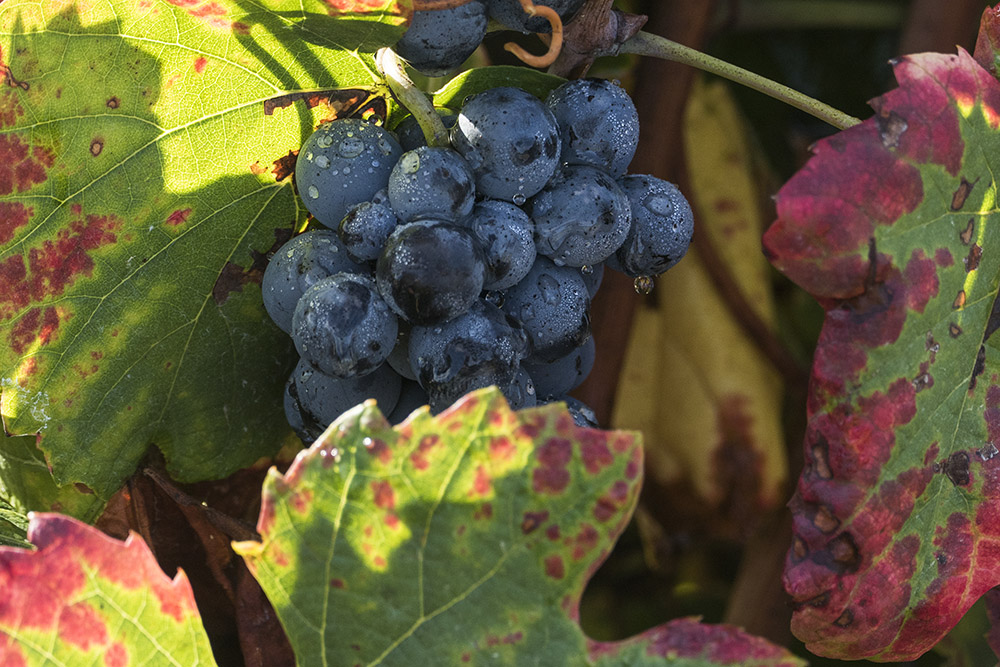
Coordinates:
[441,270]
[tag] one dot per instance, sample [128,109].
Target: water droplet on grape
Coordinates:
[527,312]
[385,147]
[659,205]
[550,289]
[324,140]
[309,156]
[351,147]
[409,163]
[347,170]
[313,192]
[519,199]
[376,164]
[643,285]
[586,269]
[322,161]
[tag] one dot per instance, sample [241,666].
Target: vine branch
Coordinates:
[646,44]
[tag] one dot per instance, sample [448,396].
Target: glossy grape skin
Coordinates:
[581,217]
[552,304]
[399,358]
[411,397]
[559,377]
[298,265]
[432,183]
[324,398]
[342,327]
[301,422]
[598,124]
[365,229]
[430,271]
[520,393]
[438,41]
[412,136]
[477,349]
[512,14]
[661,231]
[511,141]
[506,234]
[342,163]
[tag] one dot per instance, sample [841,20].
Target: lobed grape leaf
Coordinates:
[83,598]
[688,351]
[463,538]
[142,182]
[893,225]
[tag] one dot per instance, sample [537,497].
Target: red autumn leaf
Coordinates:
[82,598]
[891,225]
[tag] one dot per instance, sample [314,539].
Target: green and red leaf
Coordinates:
[893,226]
[467,537]
[142,183]
[82,597]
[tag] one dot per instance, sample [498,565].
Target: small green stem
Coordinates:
[411,97]
[645,44]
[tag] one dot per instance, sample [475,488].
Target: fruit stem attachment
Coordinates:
[646,44]
[555,39]
[411,97]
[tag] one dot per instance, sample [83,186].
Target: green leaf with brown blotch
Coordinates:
[893,225]
[462,538]
[84,598]
[143,179]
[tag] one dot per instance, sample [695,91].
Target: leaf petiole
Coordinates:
[646,44]
[411,97]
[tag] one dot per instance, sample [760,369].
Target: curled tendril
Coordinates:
[555,41]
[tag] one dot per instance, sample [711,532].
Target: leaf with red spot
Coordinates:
[462,538]
[137,207]
[82,597]
[893,226]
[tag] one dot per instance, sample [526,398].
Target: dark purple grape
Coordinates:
[298,265]
[662,227]
[581,217]
[342,163]
[552,305]
[512,14]
[511,141]
[432,183]
[365,229]
[559,377]
[598,124]
[477,349]
[505,233]
[342,326]
[438,41]
[324,398]
[430,271]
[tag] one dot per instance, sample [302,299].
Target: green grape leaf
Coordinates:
[13,525]
[893,225]
[143,180]
[474,81]
[27,484]
[82,597]
[462,538]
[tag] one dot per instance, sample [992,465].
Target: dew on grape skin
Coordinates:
[519,199]
[313,192]
[322,161]
[351,147]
